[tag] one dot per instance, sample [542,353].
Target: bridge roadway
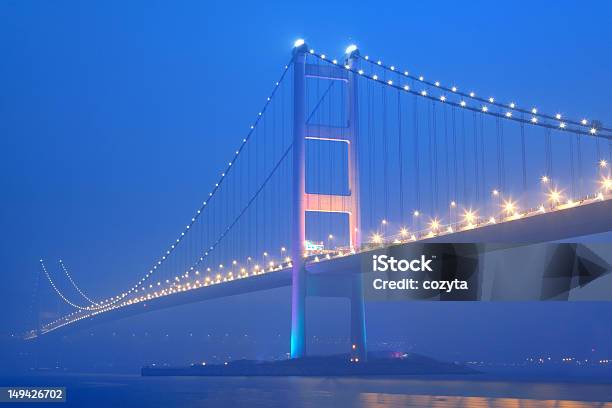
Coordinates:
[592,218]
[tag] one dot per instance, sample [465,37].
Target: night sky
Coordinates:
[115,117]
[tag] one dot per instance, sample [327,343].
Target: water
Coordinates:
[97,390]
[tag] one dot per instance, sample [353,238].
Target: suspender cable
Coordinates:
[446,160]
[435,154]
[482,160]
[476,178]
[431,160]
[523,163]
[400,155]
[385,151]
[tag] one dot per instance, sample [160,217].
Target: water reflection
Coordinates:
[380,400]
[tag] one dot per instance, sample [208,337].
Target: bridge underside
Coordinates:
[335,277]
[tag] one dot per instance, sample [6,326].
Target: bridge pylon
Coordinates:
[304,201]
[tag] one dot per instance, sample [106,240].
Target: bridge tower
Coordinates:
[312,202]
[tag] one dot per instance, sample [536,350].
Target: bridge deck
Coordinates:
[577,221]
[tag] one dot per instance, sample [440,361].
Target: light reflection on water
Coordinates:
[110,390]
[379,400]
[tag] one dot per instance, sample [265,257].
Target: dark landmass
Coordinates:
[336,365]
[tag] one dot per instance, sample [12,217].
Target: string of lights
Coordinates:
[491,101]
[109,301]
[562,125]
[246,207]
[56,289]
[74,285]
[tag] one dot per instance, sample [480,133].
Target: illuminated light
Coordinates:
[562,125]
[421,78]
[534,111]
[469,216]
[384,222]
[544,179]
[390,82]
[541,208]
[600,196]
[335,61]
[379,62]
[570,202]
[330,236]
[449,229]
[443,98]
[462,103]
[424,93]
[347,66]
[406,73]
[603,163]
[485,109]
[404,232]
[593,131]
[375,77]
[512,105]
[492,220]
[312,51]
[434,224]
[584,122]
[437,83]
[606,183]
[392,68]
[360,72]
[377,238]
[554,196]
[413,237]
[454,89]
[299,42]
[350,49]
[509,206]
[472,94]
[367,57]
[534,120]
[416,213]
[406,88]
[283,249]
[558,116]
[453,204]
[491,99]
[508,114]
[322,57]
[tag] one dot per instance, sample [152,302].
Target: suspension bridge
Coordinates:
[353,155]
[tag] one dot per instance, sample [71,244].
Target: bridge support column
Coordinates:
[298,233]
[358,324]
